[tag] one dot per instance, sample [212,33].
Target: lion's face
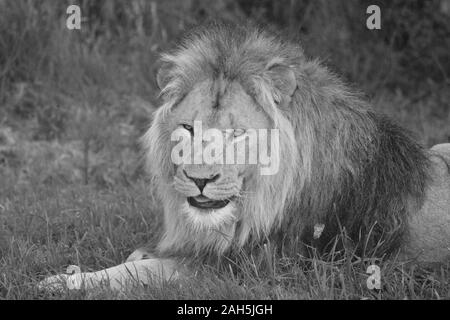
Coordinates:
[240,89]
[211,192]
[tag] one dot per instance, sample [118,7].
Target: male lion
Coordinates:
[343,167]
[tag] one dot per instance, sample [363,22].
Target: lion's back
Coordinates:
[442,150]
[430,226]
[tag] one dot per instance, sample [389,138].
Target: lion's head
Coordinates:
[330,156]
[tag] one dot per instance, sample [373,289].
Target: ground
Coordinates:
[51,218]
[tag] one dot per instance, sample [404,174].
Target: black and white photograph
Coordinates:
[224,154]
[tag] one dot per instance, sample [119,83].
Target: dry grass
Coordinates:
[49,228]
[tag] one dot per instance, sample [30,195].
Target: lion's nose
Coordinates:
[201,182]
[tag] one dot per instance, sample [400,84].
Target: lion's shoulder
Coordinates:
[439,188]
[442,153]
[430,226]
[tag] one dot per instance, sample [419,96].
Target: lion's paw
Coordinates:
[70,280]
[54,283]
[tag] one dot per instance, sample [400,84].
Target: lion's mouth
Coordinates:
[203,202]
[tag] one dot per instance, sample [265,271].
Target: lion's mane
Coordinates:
[342,164]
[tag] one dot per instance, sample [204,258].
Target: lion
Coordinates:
[343,167]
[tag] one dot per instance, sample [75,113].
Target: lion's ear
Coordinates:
[162,75]
[283,78]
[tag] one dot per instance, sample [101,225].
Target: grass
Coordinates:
[51,228]
[72,190]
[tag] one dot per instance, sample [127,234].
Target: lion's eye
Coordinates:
[238,132]
[188,128]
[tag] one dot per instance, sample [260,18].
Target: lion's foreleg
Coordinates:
[119,277]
